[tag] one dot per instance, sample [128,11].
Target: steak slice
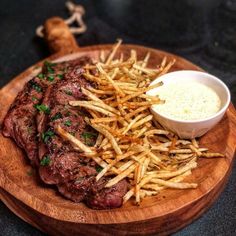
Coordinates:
[32,121]
[100,197]
[73,173]
[78,189]
[19,122]
[51,145]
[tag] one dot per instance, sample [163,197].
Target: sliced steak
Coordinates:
[32,122]
[77,189]
[106,198]
[20,122]
[71,119]
[73,174]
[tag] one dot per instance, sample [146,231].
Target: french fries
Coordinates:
[130,143]
[76,142]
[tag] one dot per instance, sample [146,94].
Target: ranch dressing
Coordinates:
[187,101]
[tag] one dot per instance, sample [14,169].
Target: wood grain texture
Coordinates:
[43,207]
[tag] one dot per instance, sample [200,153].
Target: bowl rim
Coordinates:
[213,77]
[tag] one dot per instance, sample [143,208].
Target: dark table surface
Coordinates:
[203,32]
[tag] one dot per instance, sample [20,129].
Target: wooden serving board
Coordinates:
[43,207]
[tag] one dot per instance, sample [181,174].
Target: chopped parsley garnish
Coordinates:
[46,135]
[43,108]
[88,135]
[41,75]
[48,63]
[50,78]
[49,66]
[29,130]
[99,169]
[57,116]
[87,138]
[34,99]
[45,161]
[68,92]
[36,86]
[68,113]
[60,76]
[67,123]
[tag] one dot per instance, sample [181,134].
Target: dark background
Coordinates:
[203,32]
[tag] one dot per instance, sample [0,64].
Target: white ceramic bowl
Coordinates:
[192,128]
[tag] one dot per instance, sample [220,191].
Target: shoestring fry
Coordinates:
[130,143]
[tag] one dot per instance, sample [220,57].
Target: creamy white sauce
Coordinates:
[187,101]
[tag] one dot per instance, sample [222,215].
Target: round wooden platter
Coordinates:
[41,205]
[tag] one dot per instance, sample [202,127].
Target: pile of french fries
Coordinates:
[131,144]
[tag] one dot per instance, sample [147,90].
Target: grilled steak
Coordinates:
[20,123]
[105,198]
[32,122]
[73,173]
[51,145]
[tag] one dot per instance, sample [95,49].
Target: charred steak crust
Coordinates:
[106,198]
[32,119]
[51,145]
[20,123]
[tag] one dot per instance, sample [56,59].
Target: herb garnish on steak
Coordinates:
[32,121]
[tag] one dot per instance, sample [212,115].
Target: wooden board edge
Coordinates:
[18,208]
[96,48]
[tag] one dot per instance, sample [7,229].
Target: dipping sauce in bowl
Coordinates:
[194,102]
[187,101]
